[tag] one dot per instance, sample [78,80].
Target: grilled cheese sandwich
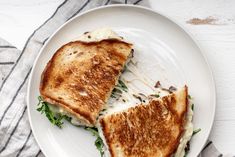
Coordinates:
[146,130]
[80,76]
[78,82]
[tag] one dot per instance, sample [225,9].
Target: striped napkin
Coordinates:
[16,138]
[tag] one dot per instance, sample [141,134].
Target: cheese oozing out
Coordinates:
[180,152]
[99,34]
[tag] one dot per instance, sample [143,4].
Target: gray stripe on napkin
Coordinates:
[16,138]
[7,46]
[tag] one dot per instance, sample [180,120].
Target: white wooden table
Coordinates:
[212,22]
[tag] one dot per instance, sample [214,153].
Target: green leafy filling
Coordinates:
[98,142]
[196,131]
[156,95]
[122,85]
[117,91]
[57,119]
[54,118]
[192,106]
[189,97]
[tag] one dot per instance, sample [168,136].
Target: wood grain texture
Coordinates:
[216,38]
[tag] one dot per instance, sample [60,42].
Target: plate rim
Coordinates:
[201,51]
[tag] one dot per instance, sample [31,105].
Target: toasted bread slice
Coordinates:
[81,75]
[146,130]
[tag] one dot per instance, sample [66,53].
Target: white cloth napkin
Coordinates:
[16,138]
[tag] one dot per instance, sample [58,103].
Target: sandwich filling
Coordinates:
[187,135]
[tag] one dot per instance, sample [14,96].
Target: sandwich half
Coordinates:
[155,128]
[81,75]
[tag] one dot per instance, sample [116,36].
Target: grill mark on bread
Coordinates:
[84,84]
[132,130]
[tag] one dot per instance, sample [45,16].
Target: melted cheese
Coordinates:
[180,152]
[58,109]
[99,34]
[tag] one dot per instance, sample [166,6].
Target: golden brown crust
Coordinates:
[80,76]
[147,130]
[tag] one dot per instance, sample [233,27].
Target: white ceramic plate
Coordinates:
[164,51]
